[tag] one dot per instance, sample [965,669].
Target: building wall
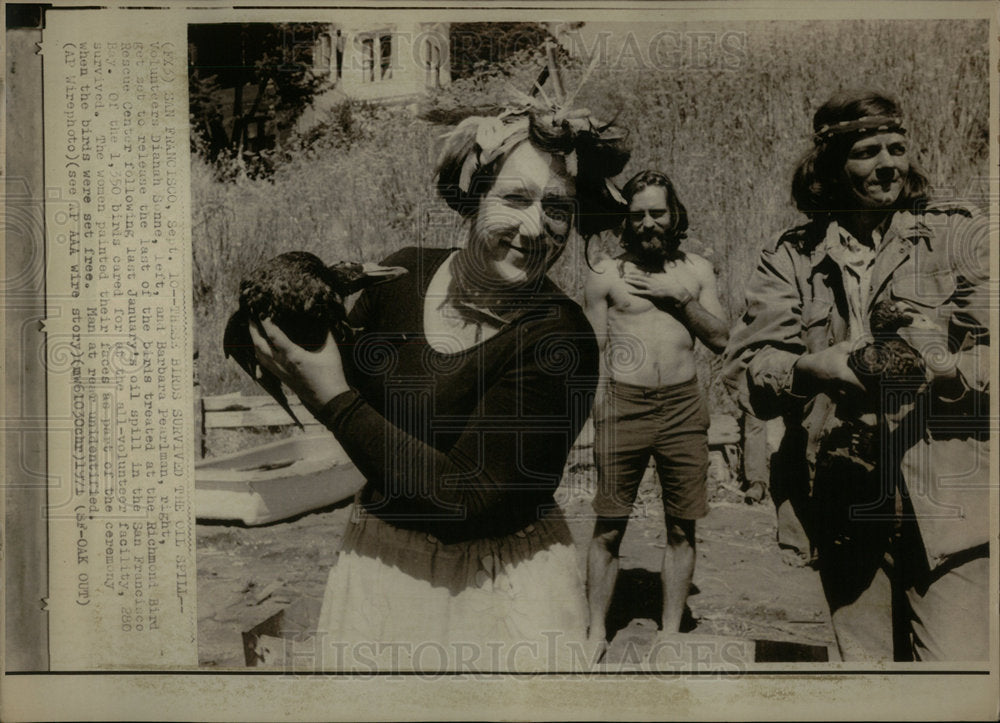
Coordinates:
[385,60]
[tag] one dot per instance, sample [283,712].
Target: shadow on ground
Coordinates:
[638,594]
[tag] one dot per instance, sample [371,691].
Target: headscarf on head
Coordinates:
[595,152]
[483,138]
[470,159]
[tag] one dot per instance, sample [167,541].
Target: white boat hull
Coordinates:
[275,481]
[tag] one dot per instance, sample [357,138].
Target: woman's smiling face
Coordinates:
[523,221]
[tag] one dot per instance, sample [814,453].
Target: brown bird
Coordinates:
[888,356]
[305,298]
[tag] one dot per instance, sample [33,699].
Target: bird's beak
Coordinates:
[380,274]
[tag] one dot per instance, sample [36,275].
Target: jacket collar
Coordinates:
[903,225]
[909,226]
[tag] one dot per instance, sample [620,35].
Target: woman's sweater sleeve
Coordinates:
[513,445]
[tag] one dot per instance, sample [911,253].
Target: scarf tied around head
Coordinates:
[595,152]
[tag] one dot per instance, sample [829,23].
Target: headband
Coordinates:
[866,124]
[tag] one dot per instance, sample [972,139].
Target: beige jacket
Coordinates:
[935,259]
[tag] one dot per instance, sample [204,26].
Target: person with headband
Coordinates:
[866,330]
[472,376]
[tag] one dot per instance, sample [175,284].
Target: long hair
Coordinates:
[677,228]
[817,188]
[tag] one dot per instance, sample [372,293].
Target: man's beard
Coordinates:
[651,249]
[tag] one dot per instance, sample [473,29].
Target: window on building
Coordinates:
[322,52]
[432,63]
[376,57]
[385,44]
[339,49]
[368,60]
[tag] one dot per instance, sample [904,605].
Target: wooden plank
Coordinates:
[640,643]
[229,402]
[228,411]
[262,417]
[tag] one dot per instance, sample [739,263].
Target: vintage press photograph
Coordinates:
[563,347]
[562,362]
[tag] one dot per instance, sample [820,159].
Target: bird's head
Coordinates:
[889,316]
[350,277]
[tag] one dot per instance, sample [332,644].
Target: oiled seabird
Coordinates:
[305,298]
[888,356]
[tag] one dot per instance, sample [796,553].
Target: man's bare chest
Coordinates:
[653,320]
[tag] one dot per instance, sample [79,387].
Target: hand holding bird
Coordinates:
[891,355]
[290,308]
[316,377]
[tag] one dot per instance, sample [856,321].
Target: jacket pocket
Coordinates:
[926,289]
[815,312]
[816,323]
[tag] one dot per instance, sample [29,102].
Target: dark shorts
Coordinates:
[668,423]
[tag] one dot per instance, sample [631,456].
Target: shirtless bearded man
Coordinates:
[647,307]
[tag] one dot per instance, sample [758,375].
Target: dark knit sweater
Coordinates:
[470,444]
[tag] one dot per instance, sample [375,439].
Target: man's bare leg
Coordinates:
[678,569]
[602,571]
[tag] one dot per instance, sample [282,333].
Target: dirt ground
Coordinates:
[741,589]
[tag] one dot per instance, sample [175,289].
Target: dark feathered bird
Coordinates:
[305,298]
[888,356]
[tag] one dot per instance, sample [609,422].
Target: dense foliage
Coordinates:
[248,83]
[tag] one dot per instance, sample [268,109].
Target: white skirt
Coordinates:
[401,600]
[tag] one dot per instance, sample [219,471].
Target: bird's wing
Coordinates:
[238,344]
[272,385]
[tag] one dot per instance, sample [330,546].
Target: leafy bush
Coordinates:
[478,48]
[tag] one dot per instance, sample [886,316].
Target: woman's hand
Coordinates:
[316,377]
[669,285]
